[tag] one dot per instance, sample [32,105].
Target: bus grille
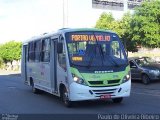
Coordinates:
[99,93]
[95,82]
[92,83]
[113,81]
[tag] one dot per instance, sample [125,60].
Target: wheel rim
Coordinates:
[65,97]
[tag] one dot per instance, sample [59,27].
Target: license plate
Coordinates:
[105,96]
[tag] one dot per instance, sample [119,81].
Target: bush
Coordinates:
[10,51]
[1,63]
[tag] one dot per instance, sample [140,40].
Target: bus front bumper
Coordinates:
[80,92]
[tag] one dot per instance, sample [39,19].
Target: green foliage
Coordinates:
[141,28]
[146,24]
[126,32]
[10,51]
[1,62]
[121,27]
[105,21]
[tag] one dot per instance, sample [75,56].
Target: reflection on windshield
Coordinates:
[96,52]
[144,61]
[150,60]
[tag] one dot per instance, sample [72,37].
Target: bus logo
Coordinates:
[106,82]
[110,71]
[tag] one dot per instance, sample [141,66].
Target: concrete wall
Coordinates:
[150,52]
[14,65]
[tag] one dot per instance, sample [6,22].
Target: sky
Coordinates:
[23,19]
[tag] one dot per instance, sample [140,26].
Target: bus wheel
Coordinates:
[34,90]
[117,100]
[145,79]
[65,98]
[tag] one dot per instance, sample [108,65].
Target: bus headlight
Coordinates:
[78,80]
[126,77]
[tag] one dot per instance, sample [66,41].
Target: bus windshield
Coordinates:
[95,49]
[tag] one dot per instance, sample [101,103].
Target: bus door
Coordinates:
[61,63]
[58,63]
[24,63]
[53,64]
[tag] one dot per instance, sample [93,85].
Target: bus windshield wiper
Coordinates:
[100,49]
[100,52]
[91,60]
[115,63]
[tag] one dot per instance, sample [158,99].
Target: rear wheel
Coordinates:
[65,98]
[35,90]
[145,79]
[117,100]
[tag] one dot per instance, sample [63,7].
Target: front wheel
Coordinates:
[145,79]
[65,98]
[117,100]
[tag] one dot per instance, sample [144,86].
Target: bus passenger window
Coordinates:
[45,54]
[37,50]
[31,52]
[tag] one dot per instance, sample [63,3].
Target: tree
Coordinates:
[146,24]
[10,51]
[105,21]
[126,32]
[1,62]
[121,27]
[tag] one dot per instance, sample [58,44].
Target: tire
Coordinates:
[35,90]
[145,79]
[65,99]
[117,100]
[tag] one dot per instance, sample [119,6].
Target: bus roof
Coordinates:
[83,29]
[65,30]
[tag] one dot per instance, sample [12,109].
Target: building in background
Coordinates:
[118,5]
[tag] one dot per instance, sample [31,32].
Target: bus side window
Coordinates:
[62,56]
[37,49]
[45,53]
[31,56]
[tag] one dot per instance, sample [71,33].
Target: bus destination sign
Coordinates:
[84,37]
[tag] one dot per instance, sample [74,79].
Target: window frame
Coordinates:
[45,50]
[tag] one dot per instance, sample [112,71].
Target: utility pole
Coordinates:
[125,11]
[125,6]
[65,13]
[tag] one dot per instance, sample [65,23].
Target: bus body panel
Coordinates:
[81,92]
[37,71]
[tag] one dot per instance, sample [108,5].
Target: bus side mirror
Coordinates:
[60,48]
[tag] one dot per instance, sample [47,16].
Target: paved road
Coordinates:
[15,97]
